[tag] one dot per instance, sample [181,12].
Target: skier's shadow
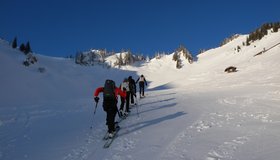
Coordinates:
[164,100]
[156,108]
[160,95]
[144,124]
[166,86]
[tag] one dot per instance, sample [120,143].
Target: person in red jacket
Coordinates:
[110,100]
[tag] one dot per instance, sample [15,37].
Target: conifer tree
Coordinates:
[22,47]
[238,48]
[121,59]
[275,27]
[130,58]
[103,54]
[27,48]
[179,64]
[247,41]
[175,56]
[14,43]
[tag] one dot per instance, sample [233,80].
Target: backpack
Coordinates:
[142,79]
[126,86]
[132,86]
[109,91]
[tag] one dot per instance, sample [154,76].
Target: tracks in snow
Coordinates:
[238,120]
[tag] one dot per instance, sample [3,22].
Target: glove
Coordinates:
[96,99]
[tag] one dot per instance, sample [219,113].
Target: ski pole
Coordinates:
[95,108]
[118,112]
[93,115]
[137,105]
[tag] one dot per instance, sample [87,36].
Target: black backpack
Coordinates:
[109,90]
[132,86]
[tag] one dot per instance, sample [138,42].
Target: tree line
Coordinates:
[26,49]
[259,33]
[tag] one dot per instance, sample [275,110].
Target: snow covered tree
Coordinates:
[121,59]
[92,56]
[128,58]
[147,59]
[159,55]
[103,54]
[201,51]
[227,40]
[131,57]
[79,58]
[118,61]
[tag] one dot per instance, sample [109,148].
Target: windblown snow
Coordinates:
[198,112]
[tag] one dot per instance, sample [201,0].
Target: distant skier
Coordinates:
[110,93]
[142,81]
[125,88]
[132,88]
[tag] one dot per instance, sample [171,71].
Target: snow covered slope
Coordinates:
[208,71]
[40,112]
[197,112]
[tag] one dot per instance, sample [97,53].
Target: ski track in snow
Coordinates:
[239,113]
[128,137]
[23,119]
[244,113]
[85,150]
[93,144]
[131,132]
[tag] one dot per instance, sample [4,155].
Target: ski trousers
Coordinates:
[125,101]
[111,110]
[141,89]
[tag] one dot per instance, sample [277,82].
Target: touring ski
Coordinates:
[109,141]
[106,136]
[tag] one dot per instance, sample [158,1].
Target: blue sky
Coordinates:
[63,27]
